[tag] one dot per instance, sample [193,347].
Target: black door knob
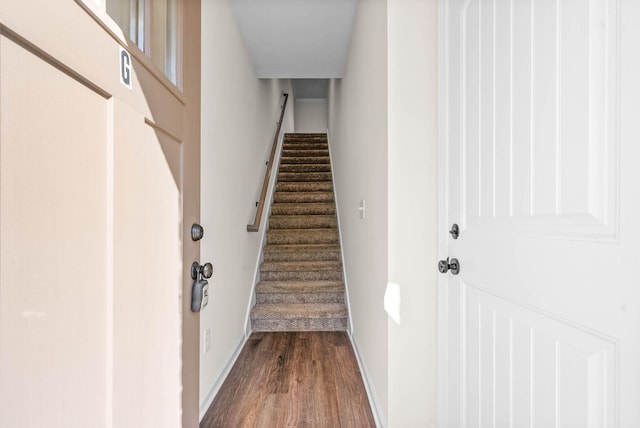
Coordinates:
[447,265]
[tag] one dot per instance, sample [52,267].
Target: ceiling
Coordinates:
[298,39]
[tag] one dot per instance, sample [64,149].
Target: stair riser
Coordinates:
[302,276]
[304,176]
[296,186]
[305,146]
[303,256]
[305,167]
[300,266]
[338,324]
[295,298]
[289,152]
[302,197]
[302,222]
[303,136]
[300,159]
[312,238]
[303,209]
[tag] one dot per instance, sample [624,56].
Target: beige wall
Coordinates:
[311,115]
[383,127]
[358,132]
[413,209]
[239,119]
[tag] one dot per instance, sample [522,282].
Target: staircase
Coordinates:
[301,286]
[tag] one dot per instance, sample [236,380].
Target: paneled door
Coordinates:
[539,169]
[98,186]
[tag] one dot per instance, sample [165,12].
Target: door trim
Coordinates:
[443,218]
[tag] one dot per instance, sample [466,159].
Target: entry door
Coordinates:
[92,214]
[539,170]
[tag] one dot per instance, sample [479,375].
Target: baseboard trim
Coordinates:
[215,388]
[378,414]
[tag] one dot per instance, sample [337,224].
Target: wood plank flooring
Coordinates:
[293,379]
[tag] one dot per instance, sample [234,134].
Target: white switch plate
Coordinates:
[207,341]
[362,208]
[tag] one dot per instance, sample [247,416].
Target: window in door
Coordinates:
[153,27]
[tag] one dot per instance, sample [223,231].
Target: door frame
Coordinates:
[443,220]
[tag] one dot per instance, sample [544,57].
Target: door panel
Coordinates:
[53,246]
[537,119]
[530,365]
[147,273]
[530,106]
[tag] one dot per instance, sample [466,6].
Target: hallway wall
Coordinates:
[384,137]
[358,136]
[239,115]
[311,115]
[413,209]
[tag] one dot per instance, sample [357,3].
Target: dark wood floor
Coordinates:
[296,379]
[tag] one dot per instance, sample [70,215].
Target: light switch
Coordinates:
[362,208]
[207,340]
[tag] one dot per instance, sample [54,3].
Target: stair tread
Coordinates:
[272,248]
[309,151]
[304,186]
[302,217]
[301,265]
[303,197]
[308,208]
[300,287]
[304,167]
[305,159]
[296,216]
[289,311]
[321,232]
[295,137]
[285,231]
[305,177]
[302,221]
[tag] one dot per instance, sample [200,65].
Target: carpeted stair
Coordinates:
[301,286]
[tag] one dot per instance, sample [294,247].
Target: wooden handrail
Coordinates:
[267,176]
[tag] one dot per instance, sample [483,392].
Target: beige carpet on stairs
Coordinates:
[301,286]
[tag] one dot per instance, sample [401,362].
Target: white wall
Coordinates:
[383,128]
[358,133]
[413,209]
[311,115]
[239,115]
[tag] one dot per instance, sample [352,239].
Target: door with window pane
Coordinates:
[94,329]
[153,26]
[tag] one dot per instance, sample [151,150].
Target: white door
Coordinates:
[539,165]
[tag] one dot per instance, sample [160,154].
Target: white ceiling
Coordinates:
[296,38]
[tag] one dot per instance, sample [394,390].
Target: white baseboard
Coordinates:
[215,388]
[378,414]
